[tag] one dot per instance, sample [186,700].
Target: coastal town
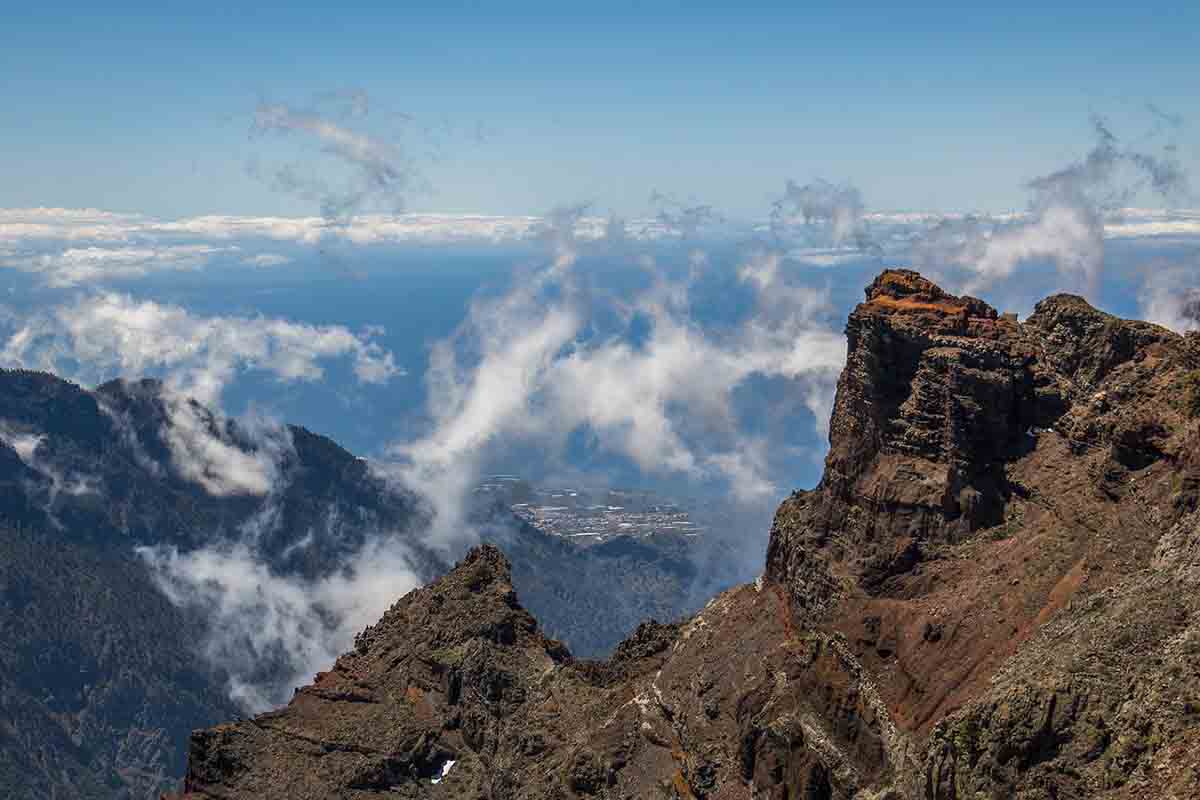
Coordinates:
[589,516]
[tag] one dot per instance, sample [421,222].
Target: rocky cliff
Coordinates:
[991,593]
[102,679]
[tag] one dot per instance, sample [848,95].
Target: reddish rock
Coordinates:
[993,592]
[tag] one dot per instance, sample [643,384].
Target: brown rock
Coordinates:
[991,593]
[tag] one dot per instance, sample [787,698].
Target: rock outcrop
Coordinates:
[991,593]
[102,678]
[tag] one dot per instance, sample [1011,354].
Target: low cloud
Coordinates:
[77,247]
[100,336]
[1066,224]
[380,174]
[80,265]
[25,444]
[225,460]
[640,377]
[266,260]
[828,213]
[532,367]
[1171,298]
[515,340]
[108,333]
[36,451]
[1067,237]
[272,632]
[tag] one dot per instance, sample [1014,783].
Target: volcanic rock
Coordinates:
[991,593]
[103,678]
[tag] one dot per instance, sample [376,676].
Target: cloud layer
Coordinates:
[1171,297]
[380,172]
[73,247]
[1066,224]
[272,632]
[110,334]
[640,376]
[105,335]
[532,368]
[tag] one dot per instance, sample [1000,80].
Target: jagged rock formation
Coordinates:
[101,681]
[101,678]
[992,593]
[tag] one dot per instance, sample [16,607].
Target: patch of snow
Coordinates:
[445,771]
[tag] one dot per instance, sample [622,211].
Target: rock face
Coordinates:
[993,592]
[97,701]
[100,679]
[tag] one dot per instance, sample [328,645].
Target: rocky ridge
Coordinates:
[991,593]
[99,702]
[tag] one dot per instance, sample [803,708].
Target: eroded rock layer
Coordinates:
[992,593]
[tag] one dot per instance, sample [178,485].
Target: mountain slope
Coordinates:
[991,593]
[102,679]
[102,676]
[99,684]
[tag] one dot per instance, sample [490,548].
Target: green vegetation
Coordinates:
[84,683]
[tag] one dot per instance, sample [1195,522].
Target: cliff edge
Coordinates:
[993,592]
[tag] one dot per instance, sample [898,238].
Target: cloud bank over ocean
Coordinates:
[76,247]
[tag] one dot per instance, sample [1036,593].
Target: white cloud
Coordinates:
[272,632]
[1149,223]
[836,210]
[70,247]
[78,265]
[304,230]
[528,367]
[123,423]
[108,332]
[69,224]
[28,447]
[1071,211]
[473,406]
[1069,237]
[746,469]
[644,402]
[73,225]
[761,269]
[203,451]
[266,260]
[1171,298]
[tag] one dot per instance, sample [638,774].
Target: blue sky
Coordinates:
[679,356]
[146,107]
[697,362]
